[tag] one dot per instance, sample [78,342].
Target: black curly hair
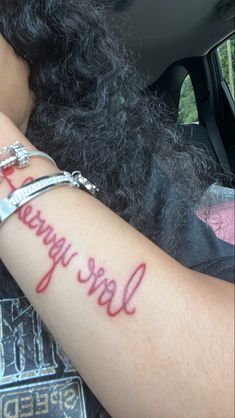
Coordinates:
[92,113]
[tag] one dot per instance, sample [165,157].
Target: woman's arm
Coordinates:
[151,338]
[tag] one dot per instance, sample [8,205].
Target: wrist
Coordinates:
[15,176]
[9,133]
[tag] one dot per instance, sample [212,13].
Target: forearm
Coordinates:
[141,331]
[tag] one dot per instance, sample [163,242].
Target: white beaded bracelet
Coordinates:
[17,154]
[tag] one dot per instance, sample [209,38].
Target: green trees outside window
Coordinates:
[187,107]
[226,52]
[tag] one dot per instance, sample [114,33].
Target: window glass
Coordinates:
[226,52]
[187,105]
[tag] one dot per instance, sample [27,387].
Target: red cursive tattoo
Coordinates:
[59,250]
[108,288]
[109,294]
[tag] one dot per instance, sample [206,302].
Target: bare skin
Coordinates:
[168,350]
[16,99]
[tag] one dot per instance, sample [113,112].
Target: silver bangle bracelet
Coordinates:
[29,191]
[17,154]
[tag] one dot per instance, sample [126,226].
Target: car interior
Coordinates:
[175,40]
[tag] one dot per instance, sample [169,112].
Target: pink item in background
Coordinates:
[221,220]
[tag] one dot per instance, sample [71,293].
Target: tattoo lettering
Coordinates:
[109,293]
[59,250]
[108,288]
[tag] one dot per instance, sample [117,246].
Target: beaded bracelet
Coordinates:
[17,154]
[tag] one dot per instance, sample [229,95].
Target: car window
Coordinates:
[226,53]
[188,112]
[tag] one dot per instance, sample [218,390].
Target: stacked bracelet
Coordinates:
[17,154]
[27,192]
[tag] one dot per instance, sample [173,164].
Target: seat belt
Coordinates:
[214,135]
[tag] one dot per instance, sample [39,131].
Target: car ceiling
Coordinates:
[161,32]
